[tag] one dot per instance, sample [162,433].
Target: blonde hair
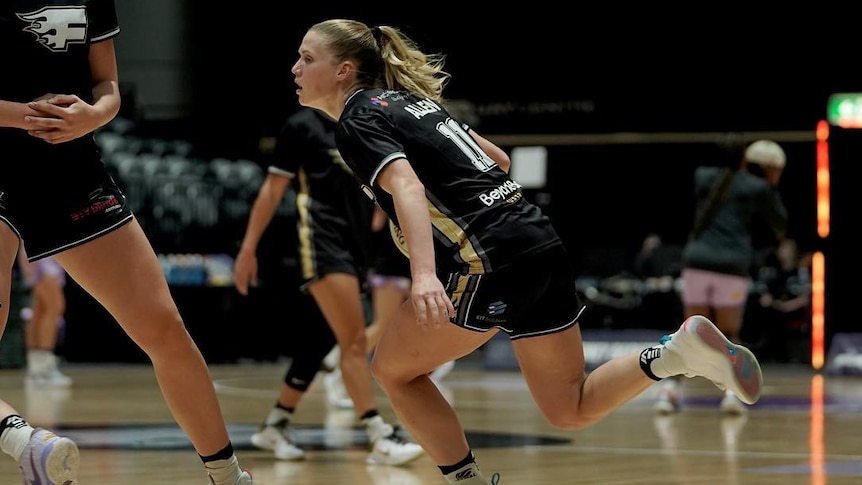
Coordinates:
[384,57]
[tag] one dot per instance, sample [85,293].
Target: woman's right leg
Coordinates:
[339,298]
[121,271]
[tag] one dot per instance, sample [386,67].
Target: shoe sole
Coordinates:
[743,376]
[60,460]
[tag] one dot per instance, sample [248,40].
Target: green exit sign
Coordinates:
[845,110]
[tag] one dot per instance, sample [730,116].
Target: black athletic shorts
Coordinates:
[534,296]
[330,243]
[62,216]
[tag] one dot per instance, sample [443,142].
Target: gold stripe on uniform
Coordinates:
[306,245]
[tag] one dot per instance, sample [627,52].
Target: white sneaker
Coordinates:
[387,448]
[336,393]
[52,378]
[730,404]
[706,352]
[244,479]
[668,399]
[49,459]
[441,372]
[393,450]
[277,441]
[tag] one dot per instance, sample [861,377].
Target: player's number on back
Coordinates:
[456,134]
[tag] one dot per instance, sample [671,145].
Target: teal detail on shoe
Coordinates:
[665,339]
[495,479]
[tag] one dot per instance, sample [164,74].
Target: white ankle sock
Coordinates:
[377,428]
[15,439]
[278,416]
[224,472]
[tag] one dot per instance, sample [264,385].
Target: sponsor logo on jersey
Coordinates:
[377,101]
[510,191]
[57,27]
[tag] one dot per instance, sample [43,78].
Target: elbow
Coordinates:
[502,160]
[505,164]
[414,187]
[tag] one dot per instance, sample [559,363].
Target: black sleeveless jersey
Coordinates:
[45,48]
[482,222]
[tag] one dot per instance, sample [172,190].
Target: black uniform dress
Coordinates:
[333,226]
[503,263]
[54,196]
[333,215]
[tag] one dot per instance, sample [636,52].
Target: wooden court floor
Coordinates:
[807,429]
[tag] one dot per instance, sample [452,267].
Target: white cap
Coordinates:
[766,153]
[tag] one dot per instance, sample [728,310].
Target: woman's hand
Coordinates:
[430,301]
[62,118]
[245,271]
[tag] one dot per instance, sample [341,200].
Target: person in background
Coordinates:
[483,258]
[717,259]
[333,229]
[43,319]
[783,306]
[59,85]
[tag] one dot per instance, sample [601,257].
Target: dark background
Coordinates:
[220,78]
[628,70]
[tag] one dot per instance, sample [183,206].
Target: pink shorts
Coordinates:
[378,281]
[47,268]
[717,290]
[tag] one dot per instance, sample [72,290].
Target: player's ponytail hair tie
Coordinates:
[377,34]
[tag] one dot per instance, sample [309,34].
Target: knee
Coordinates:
[569,419]
[387,374]
[161,335]
[355,344]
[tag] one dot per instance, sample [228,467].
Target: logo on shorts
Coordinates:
[494,313]
[2,200]
[99,204]
[497,308]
